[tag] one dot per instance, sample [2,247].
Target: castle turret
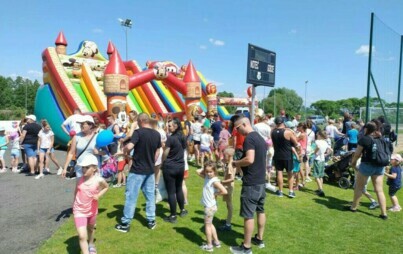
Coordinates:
[61,44]
[116,84]
[111,49]
[193,91]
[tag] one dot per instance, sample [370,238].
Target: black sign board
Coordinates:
[261,67]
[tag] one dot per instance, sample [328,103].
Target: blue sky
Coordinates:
[324,42]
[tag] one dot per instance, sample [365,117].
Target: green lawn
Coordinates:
[306,224]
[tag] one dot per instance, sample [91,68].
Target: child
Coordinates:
[319,163]
[394,181]
[212,187]
[352,137]
[228,182]
[3,148]
[122,160]
[89,189]
[45,144]
[15,151]
[206,141]
[296,158]
[223,141]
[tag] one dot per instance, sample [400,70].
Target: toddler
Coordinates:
[3,149]
[228,182]
[394,181]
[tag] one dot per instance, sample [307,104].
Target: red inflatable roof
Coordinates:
[115,65]
[111,48]
[61,40]
[191,74]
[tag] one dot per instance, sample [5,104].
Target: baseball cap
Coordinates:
[203,113]
[32,117]
[88,159]
[396,157]
[86,118]
[278,120]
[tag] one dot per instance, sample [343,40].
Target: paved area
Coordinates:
[32,210]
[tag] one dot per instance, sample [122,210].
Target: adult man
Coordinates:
[70,125]
[29,139]
[216,129]
[146,143]
[283,138]
[253,165]
[296,120]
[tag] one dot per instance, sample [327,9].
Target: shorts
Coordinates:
[196,142]
[252,200]
[205,149]
[230,191]
[318,169]
[44,150]
[368,169]
[85,221]
[209,214]
[296,168]
[2,152]
[30,150]
[280,165]
[15,153]
[121,165]
[393,190]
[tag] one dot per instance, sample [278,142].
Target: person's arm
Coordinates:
[292,139]
[220,188]
[245,161]
[165,153]
[103,185]
[391,176]
[70,155]
[356,156]
[23,134]
[38,144]
[65,129]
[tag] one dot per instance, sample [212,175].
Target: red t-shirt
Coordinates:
[239,139]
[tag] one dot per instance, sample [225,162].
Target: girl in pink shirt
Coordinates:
[223,141]
[89,189]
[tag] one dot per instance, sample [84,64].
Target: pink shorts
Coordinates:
[85,221]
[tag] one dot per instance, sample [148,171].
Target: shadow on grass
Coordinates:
[72,245]
[65,214]
[189,235]
[117,214]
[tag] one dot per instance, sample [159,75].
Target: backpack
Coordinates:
[381,152]
[109,167]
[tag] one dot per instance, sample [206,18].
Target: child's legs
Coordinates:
[319,182]
[120,175]
[392,195]
[211,233]
[2,161]
[41,160]
[91,229]
[230,209]
[82,231]
[53,158]
[185,190]
[157,174]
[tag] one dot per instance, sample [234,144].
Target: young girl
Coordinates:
[206,142]
[122,160]
[45,144]
[223,142]
[212,187]
[394,181]
[89,189]
[228,182]
[3,148]
[297,167]
[15,151]
[319,164]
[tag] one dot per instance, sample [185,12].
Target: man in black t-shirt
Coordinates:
[253,165]
[29,140]
[146,143]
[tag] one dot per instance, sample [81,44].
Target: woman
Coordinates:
[368,169]
[173,168]
[81,144]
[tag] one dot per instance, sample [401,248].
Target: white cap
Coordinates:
[89,159]
[203,113]
[396,157]
[32,117]
[85,118]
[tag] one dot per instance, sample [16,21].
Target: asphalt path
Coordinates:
[32,210]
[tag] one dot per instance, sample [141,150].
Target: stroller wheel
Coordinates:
[344,182]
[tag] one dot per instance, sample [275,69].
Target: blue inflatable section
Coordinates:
[46,107]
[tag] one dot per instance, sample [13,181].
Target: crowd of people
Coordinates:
[254,153]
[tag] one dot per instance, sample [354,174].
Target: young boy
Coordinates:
[228,182]
[394,181]
[319,165]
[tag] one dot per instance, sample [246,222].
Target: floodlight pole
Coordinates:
[369,68]
[400,83]
[127,23]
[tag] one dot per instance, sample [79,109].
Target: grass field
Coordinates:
[306,224]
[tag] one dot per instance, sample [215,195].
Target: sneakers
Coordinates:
[395,209]
[92,250]
[151,224]
[240,249]
[279,193]
[258,242]
[122,227]
[15,170]
[46,170]
[183,213]
[373,205]
[39,176]
[207,248]
[225,227]
[3,170]
[270,187]
[320,193]
[308,180]
[291,194]
[170,219]
[59,171]
[118,185]
[216,244]
[383,217]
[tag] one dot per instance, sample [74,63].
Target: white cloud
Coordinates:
[215,42]
[293,31]
[363,50]
[203,47]
[97,31]
[34,73]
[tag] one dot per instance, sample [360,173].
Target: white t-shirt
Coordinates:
[196,129]
[208,197]
[311,139]
[46,138]
[331,131]
[263,129]
[322,146]
[71,123]
[205,139]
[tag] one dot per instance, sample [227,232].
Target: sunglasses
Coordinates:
[237,127]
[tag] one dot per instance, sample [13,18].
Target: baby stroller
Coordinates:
[340,171]
[340,145]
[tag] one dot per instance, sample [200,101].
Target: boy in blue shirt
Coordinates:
[352,135]
[394,181]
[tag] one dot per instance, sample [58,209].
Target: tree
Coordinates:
[231,109]
[282,98]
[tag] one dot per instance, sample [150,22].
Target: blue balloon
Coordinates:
[104,138]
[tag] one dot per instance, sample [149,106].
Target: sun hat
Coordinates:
[396,157]
[88,159]
[86,118]
[32,117]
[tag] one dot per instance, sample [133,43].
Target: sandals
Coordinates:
[92,250]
